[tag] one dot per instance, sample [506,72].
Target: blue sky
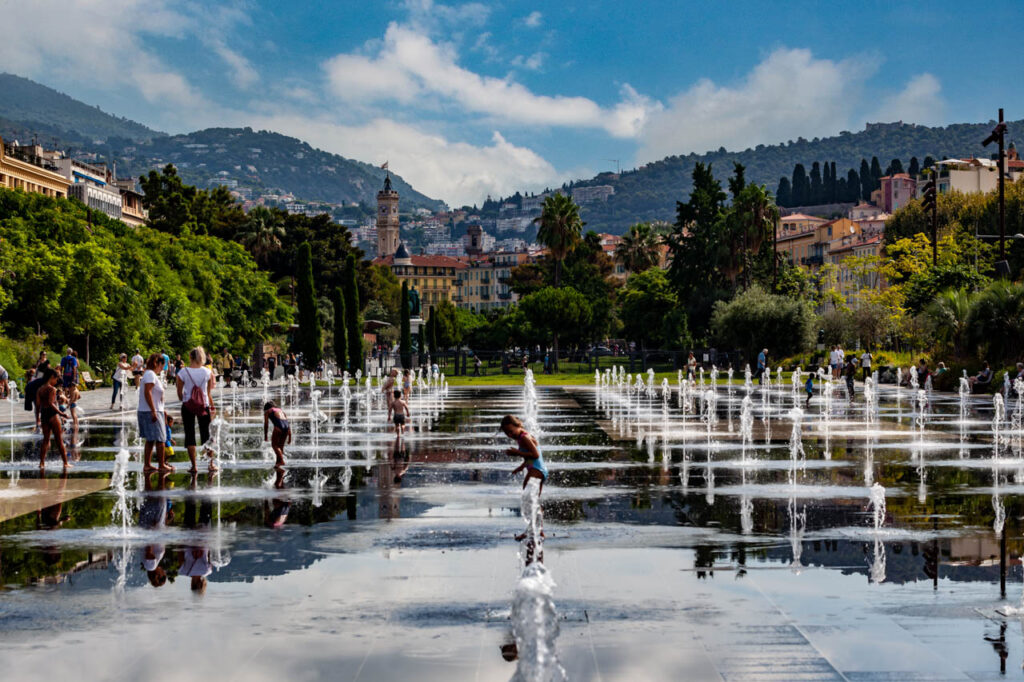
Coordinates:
[466,99]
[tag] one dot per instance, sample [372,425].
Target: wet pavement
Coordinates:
[678,546]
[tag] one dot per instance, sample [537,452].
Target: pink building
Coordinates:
[897,191]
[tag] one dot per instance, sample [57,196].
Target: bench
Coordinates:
[89,382]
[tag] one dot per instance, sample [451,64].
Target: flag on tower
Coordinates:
[384,166]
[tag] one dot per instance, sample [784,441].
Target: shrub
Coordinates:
[756,319]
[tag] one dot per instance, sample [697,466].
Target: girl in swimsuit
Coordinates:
[533,461]
[282,430]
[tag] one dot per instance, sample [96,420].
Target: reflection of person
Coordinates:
[400,460]
[275,511]
[282,430]
[533,461]
[51,518]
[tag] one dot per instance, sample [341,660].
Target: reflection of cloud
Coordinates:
[410,65]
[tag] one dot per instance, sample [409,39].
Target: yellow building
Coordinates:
[484,284]
[28,169]
[432,276]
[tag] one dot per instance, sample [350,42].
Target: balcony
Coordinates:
[485,295]
[813,261]
[504,279]
[507,296]
[486,279]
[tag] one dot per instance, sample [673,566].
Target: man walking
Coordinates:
[762,365]
[69,369]
[865,364]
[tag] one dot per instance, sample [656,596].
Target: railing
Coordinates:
[812,260]
[507,296]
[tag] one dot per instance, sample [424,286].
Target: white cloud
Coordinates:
[458,172]
[427,15]
[920,101]
[788,95]
[108,41]
[533,19]
[409,63]
[243,74]
[534,62]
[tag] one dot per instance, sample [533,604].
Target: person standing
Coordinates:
[195,390]
[50,417]
[865,364]
[69,369]
[851,374]
[271,366]
[42,364]
[137,367]
[225,366]
[762,365]
[833,361]
[152,427]
[120,374]
[841,359]
[5,386]
[691,367]
[166,366]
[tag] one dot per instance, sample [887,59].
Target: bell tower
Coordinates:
[387,220]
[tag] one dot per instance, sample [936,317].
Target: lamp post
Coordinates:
[998,134]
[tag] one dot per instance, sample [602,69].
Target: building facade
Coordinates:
[387,220]
[27,168]
[432,276]
[485,283]
[896,191]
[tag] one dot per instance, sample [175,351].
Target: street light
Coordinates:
[998,134]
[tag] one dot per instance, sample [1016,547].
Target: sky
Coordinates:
[469,99]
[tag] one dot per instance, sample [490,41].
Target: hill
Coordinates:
[256,163]
[651,191]
[54,114]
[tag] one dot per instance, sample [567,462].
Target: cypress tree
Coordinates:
[309,338]
[915,168]
[432,333]
[833,190]
[928,162]
[354,327]
[405,343]
[816,186]
[852,186]
[339,328]
[865,181]
[784,196]
[876,173]
[801,186]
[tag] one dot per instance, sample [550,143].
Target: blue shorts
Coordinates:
[152,431]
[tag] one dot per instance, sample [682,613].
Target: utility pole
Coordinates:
[998,134]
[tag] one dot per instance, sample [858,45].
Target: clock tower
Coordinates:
[387,220]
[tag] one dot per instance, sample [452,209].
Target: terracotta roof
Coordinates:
[427,261]
[800,216]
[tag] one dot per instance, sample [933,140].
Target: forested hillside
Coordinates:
[650,192]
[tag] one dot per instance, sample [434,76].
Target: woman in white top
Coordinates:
[151,415]
[120,374]
[190,378]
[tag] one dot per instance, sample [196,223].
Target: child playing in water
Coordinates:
[282,430]
[400,408]
[169,442]
[809,387]
[406,385]
[533,462]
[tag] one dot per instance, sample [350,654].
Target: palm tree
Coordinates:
[755,218]
[948,315]
[639,248]
[560,228]
[996,320]
[262,234]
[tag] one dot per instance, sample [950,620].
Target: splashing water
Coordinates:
[877,501]
[121,514]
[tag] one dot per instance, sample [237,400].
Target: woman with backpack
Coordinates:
[195,390]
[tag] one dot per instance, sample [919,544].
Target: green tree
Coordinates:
[914,169]
[995,323]
[262,234]
[639,248]
[866,183]
[948,314]
[309,337]
[405,342]
[784,192]
[557,311]
[560,227]
[353,321]
[432,332]
[650,312]
[817,189]
[339,344]
[756,319]
[801,186]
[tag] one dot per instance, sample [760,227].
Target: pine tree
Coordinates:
[340,347]
[801,186]
[914,170]
[865,181]
[405,343]
[309,337]
[817,193]
[784,195]
[354,332]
